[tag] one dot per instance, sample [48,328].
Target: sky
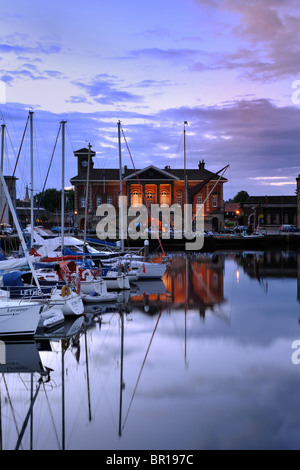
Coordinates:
[230,68]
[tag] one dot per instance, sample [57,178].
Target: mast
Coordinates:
[20,234]
[2,160]
[122,385]
[184,158]
[87,196]
[63,185]
[121,222]
[63,433]
[31,178]
[87,375]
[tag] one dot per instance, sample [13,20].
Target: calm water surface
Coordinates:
[199,360]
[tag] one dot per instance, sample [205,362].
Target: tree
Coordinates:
[241,196]
[51,199]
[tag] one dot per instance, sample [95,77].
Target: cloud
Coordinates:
[9,75]
[24,66]
[275,180]
[104,89]
[29,72]
[38,48]
[153,83]
[165,54]
[259,140]
[269,34]
[264,139]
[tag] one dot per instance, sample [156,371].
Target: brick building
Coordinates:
[155,185]
[270,210]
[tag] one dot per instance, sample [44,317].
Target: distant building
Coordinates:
[232,211]
[270,210]
[155,185]
[6,216]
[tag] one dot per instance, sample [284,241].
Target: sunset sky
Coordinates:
[230,68]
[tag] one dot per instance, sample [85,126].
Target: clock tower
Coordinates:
[82,159]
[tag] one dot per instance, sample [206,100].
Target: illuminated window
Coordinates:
[164,198]
[135,198]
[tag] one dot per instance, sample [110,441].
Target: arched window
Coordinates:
[135,198]
[164,198]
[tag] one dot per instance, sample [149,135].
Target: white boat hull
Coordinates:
[116,282]
[19,319]
[70,305]
[88,287]
[148,270]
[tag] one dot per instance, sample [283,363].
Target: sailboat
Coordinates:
[69,302]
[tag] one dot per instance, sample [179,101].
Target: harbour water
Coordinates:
[204,359]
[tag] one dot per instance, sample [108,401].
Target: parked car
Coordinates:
[57,229]
[226,230]
[241,228]
[289,228]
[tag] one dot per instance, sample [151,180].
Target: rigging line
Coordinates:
[15,167]
[211,191]
[143,364]
[10,404]
[6,149]
[51,414]
[10,119]
[144,197]
[177,151]
[28,416]
[2,115]
[42,193]
[70,139]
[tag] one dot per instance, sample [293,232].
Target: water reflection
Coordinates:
[161,369]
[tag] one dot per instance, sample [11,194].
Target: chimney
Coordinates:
[201,165]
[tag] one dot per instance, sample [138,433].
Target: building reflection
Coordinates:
[271,264]
[190,283]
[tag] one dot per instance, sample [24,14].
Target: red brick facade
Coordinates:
[150,185]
